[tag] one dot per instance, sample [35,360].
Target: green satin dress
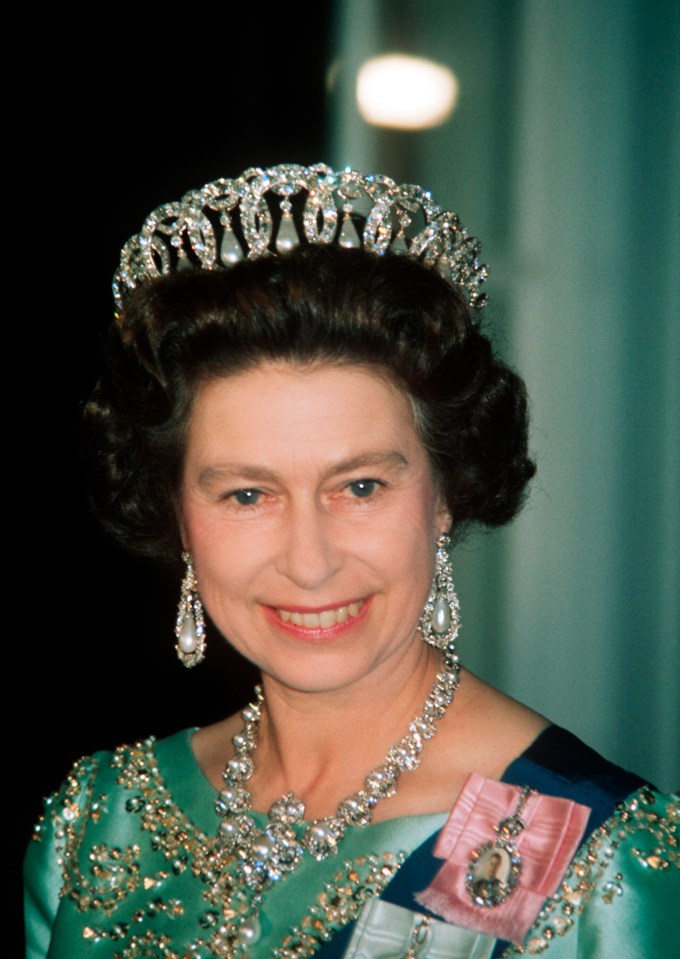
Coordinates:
[120,866]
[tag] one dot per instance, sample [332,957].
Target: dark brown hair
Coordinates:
[316,303]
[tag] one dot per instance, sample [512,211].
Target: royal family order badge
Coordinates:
[495,866]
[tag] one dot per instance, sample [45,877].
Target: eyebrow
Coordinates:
[380,458]
[260,474]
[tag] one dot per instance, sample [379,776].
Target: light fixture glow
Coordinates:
[405,92]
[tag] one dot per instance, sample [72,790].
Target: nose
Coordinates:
[308,553]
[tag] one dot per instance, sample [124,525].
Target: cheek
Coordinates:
[407,546]
[213,554]
[233,560]
[198,535]
[227,582]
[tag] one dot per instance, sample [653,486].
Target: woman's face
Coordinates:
[309,505]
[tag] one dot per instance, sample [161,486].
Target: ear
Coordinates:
[181,525]
[444,517]
[183,534]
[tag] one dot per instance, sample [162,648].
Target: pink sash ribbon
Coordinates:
[553,831]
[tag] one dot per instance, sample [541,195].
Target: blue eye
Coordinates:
[363,488]
[246,497]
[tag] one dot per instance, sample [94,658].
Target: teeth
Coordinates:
[324,620]
[327,618]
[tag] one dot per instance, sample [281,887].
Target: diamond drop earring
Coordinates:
[440,619]
[190,624]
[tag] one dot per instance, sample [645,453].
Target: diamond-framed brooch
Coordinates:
[492,873]
[494,868]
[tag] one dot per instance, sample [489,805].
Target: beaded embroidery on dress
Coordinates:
[124,859]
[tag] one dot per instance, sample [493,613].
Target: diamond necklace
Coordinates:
[264,856]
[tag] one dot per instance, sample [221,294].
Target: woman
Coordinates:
[299,401]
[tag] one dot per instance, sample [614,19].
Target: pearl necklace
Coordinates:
[264,856]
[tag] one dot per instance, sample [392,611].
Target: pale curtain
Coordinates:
[563,156]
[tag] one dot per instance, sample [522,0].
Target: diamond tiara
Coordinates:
[272,211]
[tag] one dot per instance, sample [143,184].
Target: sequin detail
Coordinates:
[339,903]
[100,878]
[652,823]
[113,871]
[121,896]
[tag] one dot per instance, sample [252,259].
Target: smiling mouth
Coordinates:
[326,619]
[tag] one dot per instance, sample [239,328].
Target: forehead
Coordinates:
[278,408]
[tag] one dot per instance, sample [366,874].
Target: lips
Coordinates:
[325,619]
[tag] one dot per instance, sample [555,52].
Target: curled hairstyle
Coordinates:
[317,303]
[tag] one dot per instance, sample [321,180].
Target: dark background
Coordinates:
[116,127]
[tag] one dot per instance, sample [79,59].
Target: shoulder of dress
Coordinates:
[623,879]
[559,764]
[643,829]
[88,783]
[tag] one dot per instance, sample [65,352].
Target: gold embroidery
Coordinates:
[114,872]
[111,873]
[151,946]
[638,815]
[341,901]
[106,875]
[121,930]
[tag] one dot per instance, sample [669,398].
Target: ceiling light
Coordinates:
[405,92]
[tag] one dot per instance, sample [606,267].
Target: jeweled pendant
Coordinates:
[230,249]
[183,262]
[349,238]
[398,245]
[287,237]
[190,622]
[440,620]
[441,614]
[187,638]
[492,873]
